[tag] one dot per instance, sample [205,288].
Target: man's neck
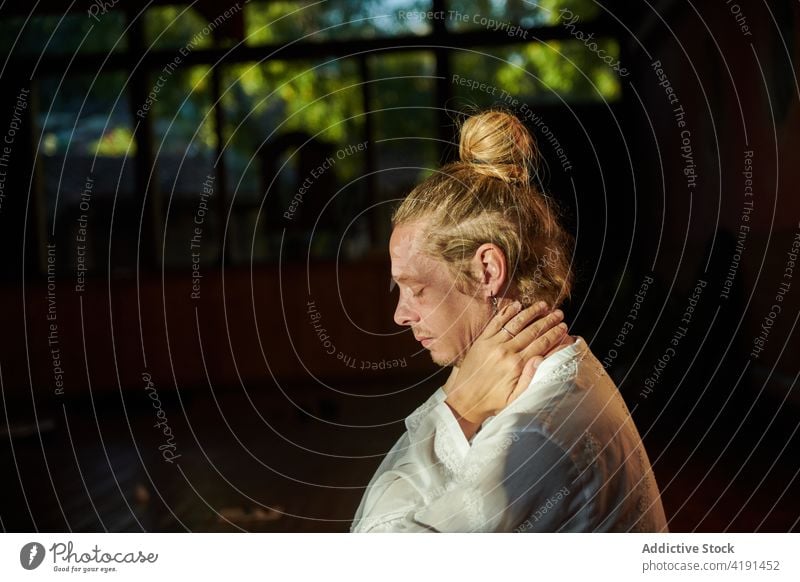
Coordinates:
[469,428]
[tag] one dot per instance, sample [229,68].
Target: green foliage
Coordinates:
[526,13]
[175,27]
[115,143]
[276,97]
[537,72]
[183,111]
[318,21]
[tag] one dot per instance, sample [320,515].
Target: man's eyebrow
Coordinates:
[398,279]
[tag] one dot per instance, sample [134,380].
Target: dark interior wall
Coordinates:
[244,328]
[723,402]
[739,93]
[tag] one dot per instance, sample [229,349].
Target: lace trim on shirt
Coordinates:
[473,505]
[443,449]
[414,419]
[565,371]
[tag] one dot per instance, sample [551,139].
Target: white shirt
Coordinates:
[564,456]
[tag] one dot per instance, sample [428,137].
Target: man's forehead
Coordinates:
[407,262]
[403,244]
[403,240]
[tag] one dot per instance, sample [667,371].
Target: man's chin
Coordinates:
[447,360]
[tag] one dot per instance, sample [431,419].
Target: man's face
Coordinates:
[430,303]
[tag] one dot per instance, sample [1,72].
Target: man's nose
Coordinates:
[403,315]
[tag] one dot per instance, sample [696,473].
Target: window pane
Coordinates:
[404,117]
[183,123]
[504,14]
[86,161]
[63,34]
[185,148]
[175,27]
[276,22]
[285,121]
[535,73]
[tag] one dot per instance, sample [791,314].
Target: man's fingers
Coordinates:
[518,321]
[501,318]
[545,342]
[532,331]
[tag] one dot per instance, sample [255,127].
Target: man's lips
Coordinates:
[424,340]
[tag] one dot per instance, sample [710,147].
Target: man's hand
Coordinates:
[501,363]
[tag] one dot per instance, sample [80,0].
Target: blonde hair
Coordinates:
[488,197]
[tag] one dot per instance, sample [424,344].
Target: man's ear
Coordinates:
[490,265]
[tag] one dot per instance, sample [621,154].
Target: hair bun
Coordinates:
[498,145]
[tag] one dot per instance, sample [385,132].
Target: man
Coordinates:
[529,433]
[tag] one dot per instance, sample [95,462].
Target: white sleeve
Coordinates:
[412,474]
[511,478]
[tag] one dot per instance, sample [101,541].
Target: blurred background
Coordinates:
[195,305]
